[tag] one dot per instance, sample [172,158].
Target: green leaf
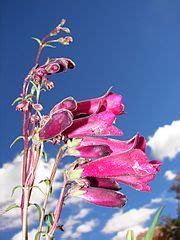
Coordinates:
[37,40]
[48,220]
[75,174]
[48,184]
[14,189]
[34,86]
[38,209]
[65,29]
[16,100]
[37,235]
[12,206]
[150,232]
[130,235]
[18,138]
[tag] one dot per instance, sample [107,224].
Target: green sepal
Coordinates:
[16,100]
[73,152]
[77,193]
[18,138]
[38,209]
[48,220]
[150,232]
[75,174]
[15,188]
[49,45]
[74,142]
[130,235]
[37,40]
[34,87]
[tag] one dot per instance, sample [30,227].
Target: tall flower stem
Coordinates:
[53,173]
[58,209]
[25,214]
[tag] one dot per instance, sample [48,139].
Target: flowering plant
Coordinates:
[81,129]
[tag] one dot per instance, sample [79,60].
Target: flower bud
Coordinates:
[49,85]
[37,106]
[23,106]
[100,196]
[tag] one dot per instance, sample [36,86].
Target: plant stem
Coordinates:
[58,209]
[25,214]
[53,172]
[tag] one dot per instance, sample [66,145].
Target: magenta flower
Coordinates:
[109,102]
[100,124]
[56,124]
[131,167]
[68,103]
[115,146]
[100,196]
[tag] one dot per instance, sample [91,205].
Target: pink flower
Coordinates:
[131,167]
[111,102]
[68,103]
[100,124]
[115,146]
[100,196]
[102,183]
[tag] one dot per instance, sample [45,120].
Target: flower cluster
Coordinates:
[103,162]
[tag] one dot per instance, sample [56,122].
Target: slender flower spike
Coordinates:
[109,102]
[56,124]
[101,196]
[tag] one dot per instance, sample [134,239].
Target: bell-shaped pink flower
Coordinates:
[101,196]
[90,152]
[56,124]
[100,124]
[111,102]
[116,146]
[131,163]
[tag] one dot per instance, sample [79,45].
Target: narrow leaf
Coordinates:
[38,209]
[130,235]
[14,189]
[37,235]
[39,189]
[18,138]
[37,40]
[44,154]
[12,206]
[16,100]
[34,86]
[150,232]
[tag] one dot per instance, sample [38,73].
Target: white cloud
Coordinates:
[134,219]
[31,235]
[169,175]
[166,141]
[74,227]
[10,175]
[156,200]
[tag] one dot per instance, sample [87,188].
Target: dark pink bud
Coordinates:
[40,72]
[23,106]
[68,103]
[91,151]
[100,124]
[37,106]
[56,124]
[49,85]
[102,183]
[102,197]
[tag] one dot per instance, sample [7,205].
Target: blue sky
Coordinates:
[133,46]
